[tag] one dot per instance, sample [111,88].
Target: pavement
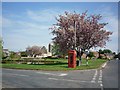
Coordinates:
[95,78]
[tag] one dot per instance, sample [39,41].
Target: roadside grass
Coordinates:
[63,66]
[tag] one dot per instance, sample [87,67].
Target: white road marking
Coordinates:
[69,80]
[53,78]
[17,74]
[101,85]
[23,75]
[100,71]
[62,74]
[93,81]
[47,73]
[103,66]
[100,76]
[94,77]
[99,81]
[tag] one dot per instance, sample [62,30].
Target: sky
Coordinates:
[27,23]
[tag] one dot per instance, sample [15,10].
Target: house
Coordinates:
[18,53]
[84,55]
[44,55]
[103,56]
[96,54]
[6,52]
[109,55]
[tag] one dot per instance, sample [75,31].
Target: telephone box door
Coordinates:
[72,59]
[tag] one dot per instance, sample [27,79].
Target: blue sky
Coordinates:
[27,23]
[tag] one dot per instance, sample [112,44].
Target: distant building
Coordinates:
[18,53]
[50,47]
[103,56]
[6,52]
[109,55]
[96,54]
[84,55]
[49,53]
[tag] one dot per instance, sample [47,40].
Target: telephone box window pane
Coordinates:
[71,58]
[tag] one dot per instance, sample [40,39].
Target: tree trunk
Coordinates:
[63,56]
[80,57]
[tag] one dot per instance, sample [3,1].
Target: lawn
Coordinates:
[63,66]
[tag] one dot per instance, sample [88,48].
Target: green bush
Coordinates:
[23,54]
[90,55]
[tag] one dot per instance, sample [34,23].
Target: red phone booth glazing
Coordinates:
[72,59]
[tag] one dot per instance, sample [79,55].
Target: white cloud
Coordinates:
[112,25]
[6,22]
[46,15]
[23,26]
[112,20]
[18,34]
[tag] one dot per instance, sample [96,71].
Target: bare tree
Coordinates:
[44,50]
[33,51]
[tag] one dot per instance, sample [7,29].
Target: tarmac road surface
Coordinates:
[96,78]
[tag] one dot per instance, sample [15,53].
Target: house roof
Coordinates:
[5,50]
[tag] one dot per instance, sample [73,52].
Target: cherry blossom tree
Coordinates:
[80,32]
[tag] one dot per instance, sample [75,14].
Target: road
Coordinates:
[110,74]
[96,78]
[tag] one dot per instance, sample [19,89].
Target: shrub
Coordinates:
[90,55]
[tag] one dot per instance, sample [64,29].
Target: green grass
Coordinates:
[58,60]
[93,64]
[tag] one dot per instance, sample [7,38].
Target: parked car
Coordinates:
[117,56]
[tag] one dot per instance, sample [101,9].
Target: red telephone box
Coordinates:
[72,59]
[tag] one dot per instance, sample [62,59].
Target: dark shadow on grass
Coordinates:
[64,66]
[50,64]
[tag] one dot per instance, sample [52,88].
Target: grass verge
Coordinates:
[93,64]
